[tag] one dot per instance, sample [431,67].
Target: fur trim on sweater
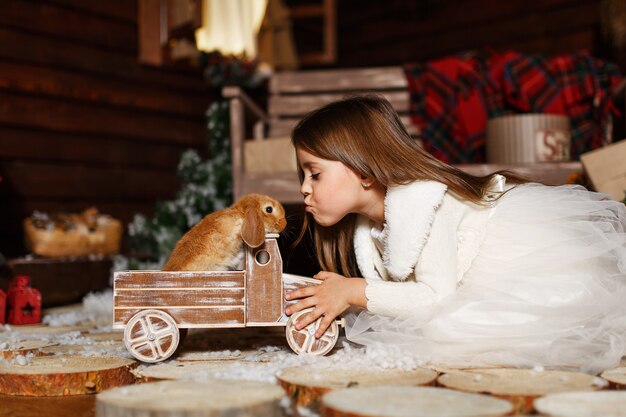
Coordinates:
[407,224]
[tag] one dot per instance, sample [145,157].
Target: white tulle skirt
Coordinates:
[548,289]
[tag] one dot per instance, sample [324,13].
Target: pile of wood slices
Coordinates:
[79,370]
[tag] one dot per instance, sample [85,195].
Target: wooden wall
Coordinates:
[393,32]
[81,121]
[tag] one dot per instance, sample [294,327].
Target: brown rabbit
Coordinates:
[215,242]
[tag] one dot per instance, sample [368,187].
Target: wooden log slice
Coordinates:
[616,377]
[106,336]
[451,367]
[62,309]
[306,384]
[69,405]
[213,398]
[189,369]
[520,386]
[583,404]
[214,355]
[65,375]
[389,401]
[10,350]
[37,330]
[245,355]
[91,349]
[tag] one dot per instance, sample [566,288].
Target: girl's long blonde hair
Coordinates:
[366,134]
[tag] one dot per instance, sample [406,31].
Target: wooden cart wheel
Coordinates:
[151,336]
[304,341]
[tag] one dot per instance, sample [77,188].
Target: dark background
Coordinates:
[83,123]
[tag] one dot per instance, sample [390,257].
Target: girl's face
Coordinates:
[331,190]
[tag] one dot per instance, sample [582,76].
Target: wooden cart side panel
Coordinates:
[186,317]
[178,279]
[293,282]
[195,297]
[264,290]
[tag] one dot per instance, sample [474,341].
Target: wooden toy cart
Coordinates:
[151,306]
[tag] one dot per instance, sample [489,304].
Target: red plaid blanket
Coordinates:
[452,98]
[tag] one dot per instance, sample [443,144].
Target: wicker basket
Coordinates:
[87,233]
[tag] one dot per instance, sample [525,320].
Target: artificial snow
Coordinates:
[96,311]
[21,360]
[599,382]
[272,360]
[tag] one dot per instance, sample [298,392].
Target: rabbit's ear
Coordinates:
[253,230]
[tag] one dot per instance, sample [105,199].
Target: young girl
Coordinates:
[459,270]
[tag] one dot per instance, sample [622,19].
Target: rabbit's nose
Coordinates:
[281,224]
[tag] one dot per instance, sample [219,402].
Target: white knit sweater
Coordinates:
[429,241]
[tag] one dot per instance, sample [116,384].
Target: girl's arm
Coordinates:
[330,298]
[436,277]
[388,298]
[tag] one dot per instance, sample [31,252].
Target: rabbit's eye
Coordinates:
[269,209]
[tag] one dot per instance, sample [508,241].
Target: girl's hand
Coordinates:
[330,298]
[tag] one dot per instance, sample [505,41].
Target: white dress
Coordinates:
[555,298]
